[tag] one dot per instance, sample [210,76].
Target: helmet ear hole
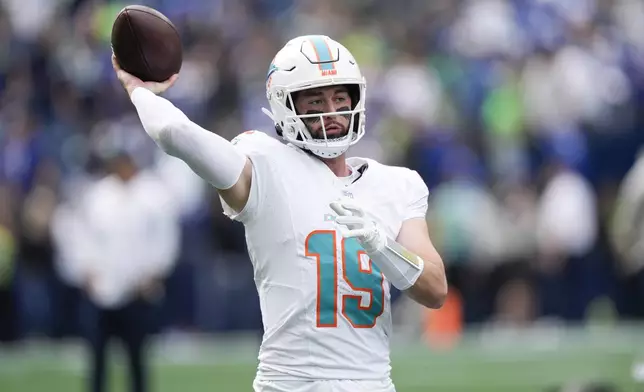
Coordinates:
[278,130]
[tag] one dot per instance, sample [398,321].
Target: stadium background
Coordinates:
[523,117]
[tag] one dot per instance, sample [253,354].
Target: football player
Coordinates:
[327,234]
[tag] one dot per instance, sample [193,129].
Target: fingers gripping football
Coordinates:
[131,82]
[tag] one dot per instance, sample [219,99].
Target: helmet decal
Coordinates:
[323,56]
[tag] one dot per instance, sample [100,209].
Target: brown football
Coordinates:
[146,44]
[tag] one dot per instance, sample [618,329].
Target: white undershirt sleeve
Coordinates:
[209,155]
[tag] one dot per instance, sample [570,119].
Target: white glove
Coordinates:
[401,267]
[354,223]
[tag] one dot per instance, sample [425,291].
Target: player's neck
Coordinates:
[338,166]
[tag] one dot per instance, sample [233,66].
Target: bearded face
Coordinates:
[321,100]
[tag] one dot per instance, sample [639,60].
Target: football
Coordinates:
[146,44]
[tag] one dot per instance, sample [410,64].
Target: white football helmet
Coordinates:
[310,62]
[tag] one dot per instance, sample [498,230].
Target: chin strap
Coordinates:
[278,128]
[269,114]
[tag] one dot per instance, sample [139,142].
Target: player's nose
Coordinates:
[331,107]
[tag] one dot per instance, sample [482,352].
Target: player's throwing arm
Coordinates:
[147,44]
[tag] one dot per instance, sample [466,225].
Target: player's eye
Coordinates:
[316,102]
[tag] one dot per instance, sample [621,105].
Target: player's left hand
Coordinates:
[355,223]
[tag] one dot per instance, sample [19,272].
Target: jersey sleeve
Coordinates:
[416,193]
[257,146]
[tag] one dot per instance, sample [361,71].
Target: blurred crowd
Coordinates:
[523,117]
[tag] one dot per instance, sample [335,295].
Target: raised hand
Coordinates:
[130,82]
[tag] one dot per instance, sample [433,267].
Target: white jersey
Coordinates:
[325,307]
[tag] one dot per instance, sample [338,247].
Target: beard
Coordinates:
[314,125]
[317,131]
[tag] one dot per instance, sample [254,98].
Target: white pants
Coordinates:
[324,386]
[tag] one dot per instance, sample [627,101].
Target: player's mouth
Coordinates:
[334,130]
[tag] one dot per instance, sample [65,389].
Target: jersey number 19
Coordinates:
[360,277]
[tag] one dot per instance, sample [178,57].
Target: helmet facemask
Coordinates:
[296,128]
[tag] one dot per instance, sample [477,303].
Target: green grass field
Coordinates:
[485,364]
